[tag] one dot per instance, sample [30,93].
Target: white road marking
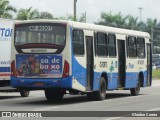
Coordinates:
[47,108]
[155,109]
[114,118]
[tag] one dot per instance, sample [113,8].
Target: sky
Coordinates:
[93,8]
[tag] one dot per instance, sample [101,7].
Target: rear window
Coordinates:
[40,33]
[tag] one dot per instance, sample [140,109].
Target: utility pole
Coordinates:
[140,13]
[152,38]
[85,17]
[74,9]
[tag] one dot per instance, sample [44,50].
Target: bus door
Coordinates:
[121,63]
[149,65]
[90,62]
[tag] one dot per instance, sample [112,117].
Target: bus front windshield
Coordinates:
[40,33]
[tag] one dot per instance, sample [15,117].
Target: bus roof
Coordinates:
[109,29]
[93,27]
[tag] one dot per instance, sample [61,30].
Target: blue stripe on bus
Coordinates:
[130,82]
[4,69]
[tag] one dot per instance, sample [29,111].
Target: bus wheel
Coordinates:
[54,95]
[136,91]
[24,93]
[101,94]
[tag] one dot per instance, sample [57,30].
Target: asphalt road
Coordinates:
[148,100]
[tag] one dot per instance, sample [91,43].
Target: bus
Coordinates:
[5,57]
[66,57]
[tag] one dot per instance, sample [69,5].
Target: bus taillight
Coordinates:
[13,69]
[66,69]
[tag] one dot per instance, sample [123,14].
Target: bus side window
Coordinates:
[78,42]
[112,45]
[101,44]
[140,47]
[131,47]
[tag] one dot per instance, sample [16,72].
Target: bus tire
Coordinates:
[101,94]
[136,91]
[24,93]
[54,95]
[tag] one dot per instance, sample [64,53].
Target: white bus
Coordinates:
[59,56]
[6,26]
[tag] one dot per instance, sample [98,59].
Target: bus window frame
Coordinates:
[141,47]
[80,55]
[105,45]
[115,45]
[128,45]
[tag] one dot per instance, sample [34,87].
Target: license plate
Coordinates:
[39,84]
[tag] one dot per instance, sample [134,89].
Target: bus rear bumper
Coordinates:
[41,83]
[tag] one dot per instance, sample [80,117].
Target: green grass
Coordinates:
[156,74]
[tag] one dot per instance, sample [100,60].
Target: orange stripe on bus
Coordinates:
[5,74]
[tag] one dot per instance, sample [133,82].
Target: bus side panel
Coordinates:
[131,80]
[108,67]
[5,48]
[79,74]
[112,81]
[96,81]
[77,70]
[145,79]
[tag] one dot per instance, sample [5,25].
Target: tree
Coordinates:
[46,15]
[115,20]
[132,22]
[82,18]
[142,26]
[151,23]
[27,14]
[5,9]
[154,30]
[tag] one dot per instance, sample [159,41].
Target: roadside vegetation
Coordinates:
[156,74]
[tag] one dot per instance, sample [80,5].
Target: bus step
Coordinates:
[121,88]
[89,91]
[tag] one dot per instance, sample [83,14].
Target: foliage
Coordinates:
[156,74]
[130,22]
[82,18]
[151,26]
[109,19]
[27,14]
[6,8]
[45,15]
